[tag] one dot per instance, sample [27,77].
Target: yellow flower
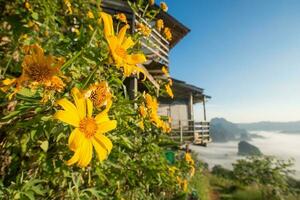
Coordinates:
[152,105]
[144,29]
[172,170]
[143,111]
[159,24]
[69,7]
[189,159]
[170,82]
[40,69]
[183,183]
[169,91]
[27,5]
[151,102]
[166,127]
[10,83]
[192,172]
[165,71]
[7,83]
[90,15]
[168,33]
[151,2]
[141,125]
[121,17]
[99,94]
[37,70]
[164,6]
[89,131]
[119,46]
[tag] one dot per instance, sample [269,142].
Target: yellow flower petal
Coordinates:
[67,117]
[108,24]
[122,33]
[128,43]
[9,81]
[104,142]
[86,153]
[89,104]
[107,126]
[169,91]
[74,158]
[80,102]
[101,151]
[101,118]
[112,42]
[134,59]
[75,139]
[68,106]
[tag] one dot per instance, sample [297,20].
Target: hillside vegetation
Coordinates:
[253,178]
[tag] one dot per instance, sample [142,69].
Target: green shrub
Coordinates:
[50,48]
[267,172]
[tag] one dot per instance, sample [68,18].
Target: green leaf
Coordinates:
[60,136]
[27,92]
[126,142]
[35,16]
[44,145]
[29,194]
[11,114]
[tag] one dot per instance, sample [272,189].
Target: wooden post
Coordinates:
[181,134]
[191,107]
[204,110]
[133,88]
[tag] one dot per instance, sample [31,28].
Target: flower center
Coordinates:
[39,73]
[88,126]
[99,95]
[121,52]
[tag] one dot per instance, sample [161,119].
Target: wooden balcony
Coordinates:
[187,131]
[155,47]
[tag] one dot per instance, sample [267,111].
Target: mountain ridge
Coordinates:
[286,127]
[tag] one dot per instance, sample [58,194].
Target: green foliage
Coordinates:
[220,171]
[249,193]
[33,146]
[199,184]
[255,178]
[266,171]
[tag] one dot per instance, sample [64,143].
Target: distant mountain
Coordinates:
[222,130]
[286,127]
[247,149]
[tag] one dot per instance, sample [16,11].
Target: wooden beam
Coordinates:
[149,76]
[204,109]
[191,107]
[133,87]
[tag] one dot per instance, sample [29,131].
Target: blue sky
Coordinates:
[244,53]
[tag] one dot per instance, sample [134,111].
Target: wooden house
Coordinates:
[181,110]
[157,48]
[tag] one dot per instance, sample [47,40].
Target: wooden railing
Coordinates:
[155,46]
[190,131]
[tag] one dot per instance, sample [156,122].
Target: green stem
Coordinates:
[145,10]
[92,38]
[89,78]
[6,67]
[71,60]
